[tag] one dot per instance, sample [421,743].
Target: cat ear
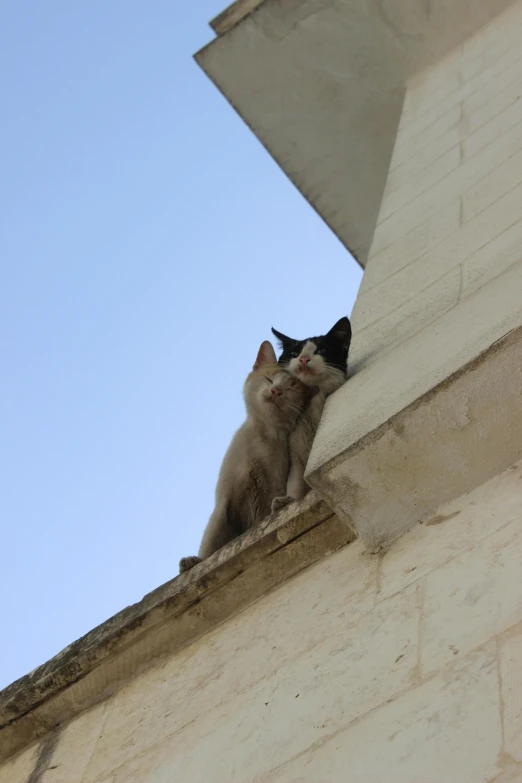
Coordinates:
[265,355]
[283,339]
[341,332]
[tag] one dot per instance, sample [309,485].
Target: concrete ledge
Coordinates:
[451,439]
[178,612]
[232,15]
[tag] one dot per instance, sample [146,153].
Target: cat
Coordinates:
[256,464]
[322,362]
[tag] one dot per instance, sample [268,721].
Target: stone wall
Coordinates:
[414,427]
[402,667]
[451,218]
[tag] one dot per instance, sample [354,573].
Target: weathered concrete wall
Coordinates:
[402,668]
[441,289]
[451,217]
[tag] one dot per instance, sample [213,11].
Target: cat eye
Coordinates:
[268,379]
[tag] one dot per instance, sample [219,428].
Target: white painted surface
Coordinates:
[473,598]
[445,731]
[402,668]
[511,683]
[444,274]
[459,143]
[321,84]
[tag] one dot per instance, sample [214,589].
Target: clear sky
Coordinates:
[147,244]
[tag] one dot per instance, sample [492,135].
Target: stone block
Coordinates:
[411,246]
[75,746]
[460,180]
[416,145]
[511,682]
[445,731]
[412,282]
[334,594]
[380,325]
[495,258]
[496,184]
[414,123]
[456,527]
[489,82]
[348,674]
[500,128]
[401,174]
[416,185]
[18,769]
[500,99]
[512,773]
[473,598]
[427,91]
[471,83]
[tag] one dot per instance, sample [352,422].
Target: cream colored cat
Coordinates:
[255,467]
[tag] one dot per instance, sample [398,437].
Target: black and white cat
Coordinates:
[316,361]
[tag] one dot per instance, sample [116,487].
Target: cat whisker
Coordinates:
[335,368]
[294,407]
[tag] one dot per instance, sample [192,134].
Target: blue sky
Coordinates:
[147,244]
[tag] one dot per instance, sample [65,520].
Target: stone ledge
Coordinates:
[170,617]
[455,436]
[232,15]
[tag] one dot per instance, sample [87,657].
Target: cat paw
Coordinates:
[278,503]
[186,563]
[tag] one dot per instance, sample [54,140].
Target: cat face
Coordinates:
[319,361]
[272,393]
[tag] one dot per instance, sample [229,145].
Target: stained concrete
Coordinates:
[170,617]
[458,434]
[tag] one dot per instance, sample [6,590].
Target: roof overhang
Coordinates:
[321,84]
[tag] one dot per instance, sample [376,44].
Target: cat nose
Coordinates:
[304,361]
[276,391]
